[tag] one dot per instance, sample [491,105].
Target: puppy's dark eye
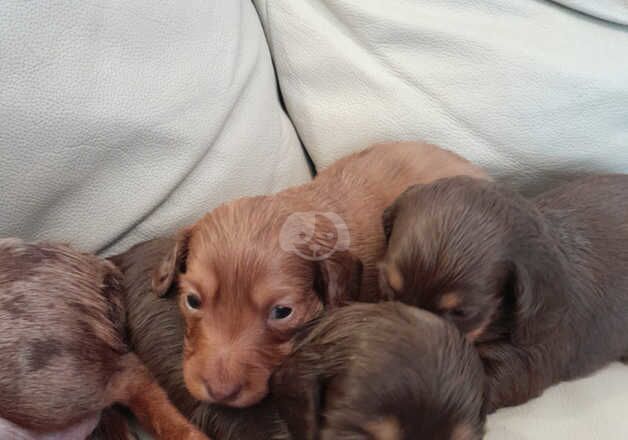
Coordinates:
[193,301]
[458,313]
[280,312]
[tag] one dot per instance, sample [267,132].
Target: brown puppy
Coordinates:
[156,327]
[254,270]
[540,285]
[382,372]
[62,351]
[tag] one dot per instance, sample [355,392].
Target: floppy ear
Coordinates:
[388,220]
[112,276]
[297,395]
[112,285]
[526,292]
[337,279]
[390,214]
[520,286]
[172,264]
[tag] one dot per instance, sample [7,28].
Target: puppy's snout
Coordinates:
[221,392]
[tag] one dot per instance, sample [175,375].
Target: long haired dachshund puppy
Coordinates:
[155,332]
[62,351]
[382,372]
[540,286]
[254,270]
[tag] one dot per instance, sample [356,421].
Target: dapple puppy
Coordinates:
[540,285]
[62,351]
[252,271]
[382,372]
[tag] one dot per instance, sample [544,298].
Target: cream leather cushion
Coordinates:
[613,11]
[123,120]
[534,90]
[592,408]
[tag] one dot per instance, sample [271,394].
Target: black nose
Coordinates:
[223,392]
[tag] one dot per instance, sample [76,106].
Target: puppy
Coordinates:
[254,270]
[155,333]
[62,351]
[540,286]
[382,372]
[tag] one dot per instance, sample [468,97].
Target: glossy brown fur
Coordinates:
[234,261]
[540,285]
[382,372]
[61,345]
[113,425]
[155,329]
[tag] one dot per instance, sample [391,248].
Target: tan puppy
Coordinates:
[254,270]
[155,333]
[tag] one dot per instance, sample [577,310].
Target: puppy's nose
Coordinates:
[223,392]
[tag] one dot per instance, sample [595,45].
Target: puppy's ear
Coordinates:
[337,279]
[112,285]
[297,395]
[172,264]
[390,214]
[518,289]
[526,292]
[388,220]
[112,275]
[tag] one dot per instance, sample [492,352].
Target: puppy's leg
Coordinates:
[136,388]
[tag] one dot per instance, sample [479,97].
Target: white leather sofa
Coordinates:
[121,120]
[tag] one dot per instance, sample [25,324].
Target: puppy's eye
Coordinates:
[193,301]
[280,312]
[458,313]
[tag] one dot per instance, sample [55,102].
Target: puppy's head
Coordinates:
[382,372]
[464,249]
[249,275]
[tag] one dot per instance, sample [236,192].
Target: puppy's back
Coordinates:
[590,218]
[394,166]
[599,202]
[61,327]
